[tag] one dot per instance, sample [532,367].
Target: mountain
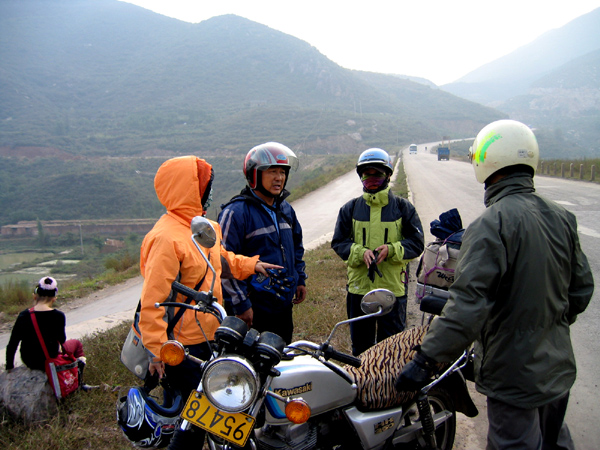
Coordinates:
[552,84]
[95,94]
[513,74]
[103,76]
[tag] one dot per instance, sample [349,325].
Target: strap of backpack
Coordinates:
[180,312]
[38,332]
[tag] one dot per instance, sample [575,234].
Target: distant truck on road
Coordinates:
[412,150]
[443,153]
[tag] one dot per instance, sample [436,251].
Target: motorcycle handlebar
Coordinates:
[331,353]
[187,291]
[176,304]
[205,302]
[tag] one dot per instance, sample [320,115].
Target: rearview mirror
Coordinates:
[203,232]
[376,300]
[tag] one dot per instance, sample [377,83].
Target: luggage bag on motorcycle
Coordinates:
[435,273]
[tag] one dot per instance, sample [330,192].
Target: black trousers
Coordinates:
[366,333]
[280,322]
[185,378]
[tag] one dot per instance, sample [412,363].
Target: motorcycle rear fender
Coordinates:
[456,386]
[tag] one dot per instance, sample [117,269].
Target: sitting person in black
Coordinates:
[51,323]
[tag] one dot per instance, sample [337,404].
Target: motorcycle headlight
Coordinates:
[230,384]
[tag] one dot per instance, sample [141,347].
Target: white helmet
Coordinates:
[501,144]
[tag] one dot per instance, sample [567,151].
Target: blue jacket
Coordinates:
[248,229]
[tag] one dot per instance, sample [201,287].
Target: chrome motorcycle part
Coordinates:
[203,232]
[230,383]
[378,299]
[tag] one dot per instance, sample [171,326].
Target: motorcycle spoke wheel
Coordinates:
[439,400]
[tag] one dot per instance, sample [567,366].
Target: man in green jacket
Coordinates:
[520,282]
[382,231]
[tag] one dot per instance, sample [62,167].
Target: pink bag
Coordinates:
[62,371]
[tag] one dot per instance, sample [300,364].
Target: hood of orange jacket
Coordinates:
[180,185]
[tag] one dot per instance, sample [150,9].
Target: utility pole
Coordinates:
[81,238]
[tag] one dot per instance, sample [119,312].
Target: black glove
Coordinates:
[373,269]
[416,374]
[276,283]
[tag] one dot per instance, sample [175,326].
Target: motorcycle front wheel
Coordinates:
[439,400]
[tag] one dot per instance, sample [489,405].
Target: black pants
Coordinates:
[541,428]
[280,322]
[366,333]
[185,378]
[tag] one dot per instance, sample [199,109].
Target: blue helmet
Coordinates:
[374,157]
[146,423]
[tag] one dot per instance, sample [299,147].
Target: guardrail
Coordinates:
[559,169]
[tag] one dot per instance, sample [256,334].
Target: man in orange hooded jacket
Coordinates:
[183,186]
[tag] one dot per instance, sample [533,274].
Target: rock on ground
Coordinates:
[26,395]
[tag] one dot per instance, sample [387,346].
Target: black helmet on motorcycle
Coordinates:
[267,155]
[146,423]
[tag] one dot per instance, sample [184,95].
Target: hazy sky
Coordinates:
[440,40]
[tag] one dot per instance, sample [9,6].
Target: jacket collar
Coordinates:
[249,196]
[380,198]
[516,183]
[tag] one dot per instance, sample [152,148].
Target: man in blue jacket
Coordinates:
[259,221]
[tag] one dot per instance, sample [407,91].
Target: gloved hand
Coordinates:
[373,269]
[276,283]
[417,373]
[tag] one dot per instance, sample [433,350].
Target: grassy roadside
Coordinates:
[87,419]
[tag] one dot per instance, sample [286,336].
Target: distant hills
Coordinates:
[94,95]
[552,83]
[107,77]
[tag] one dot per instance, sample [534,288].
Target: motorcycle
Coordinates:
[257,393]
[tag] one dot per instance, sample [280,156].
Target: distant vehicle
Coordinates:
[412,150]
[443,153]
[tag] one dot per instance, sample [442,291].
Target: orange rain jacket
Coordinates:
[167,250]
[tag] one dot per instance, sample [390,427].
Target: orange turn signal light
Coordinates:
[172,353]
[297,411]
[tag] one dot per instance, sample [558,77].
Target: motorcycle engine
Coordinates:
[294,437]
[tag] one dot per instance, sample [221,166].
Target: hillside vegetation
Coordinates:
[95,95]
